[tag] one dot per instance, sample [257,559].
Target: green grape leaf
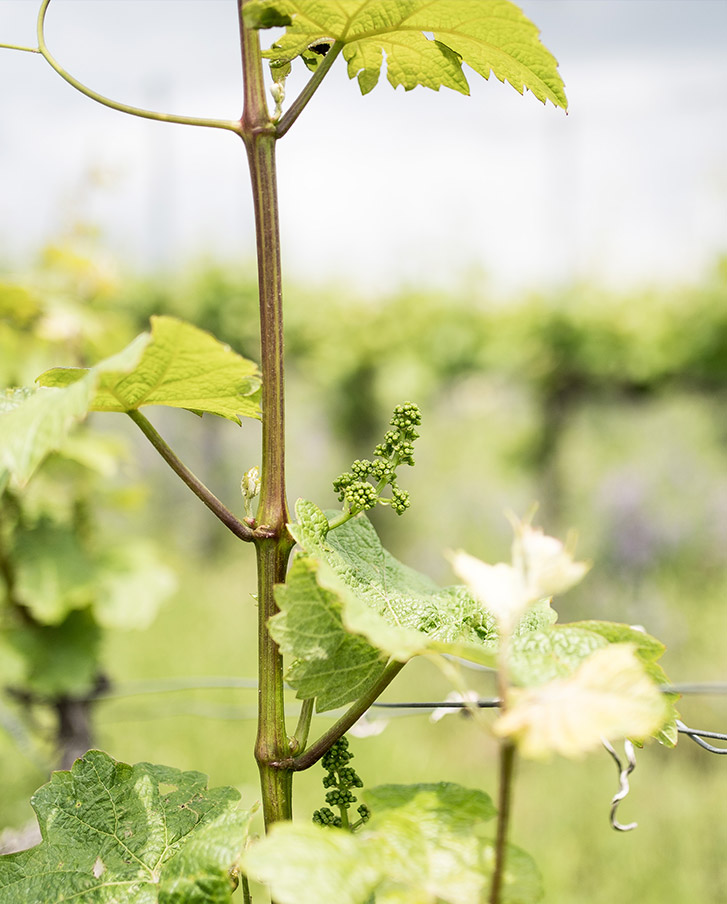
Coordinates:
[543,656]
[424,843]
[303,863]
[424,42]
[463,806]
[329,663]
[96,452]
[34,423]
[57,572]
[139,834]
[181,366]
[648,649]
[540,656]
[609,695]
[400,611]
[57,660]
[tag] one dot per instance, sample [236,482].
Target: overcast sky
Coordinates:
[392,188]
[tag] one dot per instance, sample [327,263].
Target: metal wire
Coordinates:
[698,736]
[131,689]
[487,703]
[705,688]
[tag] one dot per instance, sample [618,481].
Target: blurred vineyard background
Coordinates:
[604,407]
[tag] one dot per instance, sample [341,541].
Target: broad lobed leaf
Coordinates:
[424,843]
[180,366]
[557,653]
[648,650]
[57,572]
[140,834]
[542,656]
[488,35]
[397,609]
[608,696]
[53,661]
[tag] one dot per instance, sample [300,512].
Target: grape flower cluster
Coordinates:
[355,488]
[340,778]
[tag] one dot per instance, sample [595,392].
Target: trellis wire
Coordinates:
[167,685]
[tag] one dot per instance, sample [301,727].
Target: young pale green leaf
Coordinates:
[610,695]
[329,663]
[303,863]
[541,656]
[541,566]
[182,367]
[34,423]
[400,611]
[140,834]
[423,843]
[648,649]
[425,42]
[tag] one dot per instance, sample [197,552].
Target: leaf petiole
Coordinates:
[316,750]
[238,528]
[301,101]
[340,520]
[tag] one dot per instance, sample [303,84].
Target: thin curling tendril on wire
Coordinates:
[624,771]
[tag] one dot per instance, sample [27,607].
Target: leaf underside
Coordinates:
[610,695]
[539,657]
[424,42]
[139,834]
[329,663]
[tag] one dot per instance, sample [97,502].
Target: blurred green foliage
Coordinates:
[64,575]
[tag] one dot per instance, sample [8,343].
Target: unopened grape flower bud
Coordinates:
[250,487]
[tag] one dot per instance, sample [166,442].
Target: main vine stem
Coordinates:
[272,540]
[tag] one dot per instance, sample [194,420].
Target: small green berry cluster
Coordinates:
[354,487]
[340,778]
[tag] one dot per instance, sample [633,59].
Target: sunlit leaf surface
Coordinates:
[424,42]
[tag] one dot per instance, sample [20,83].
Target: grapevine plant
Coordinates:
[340,618]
